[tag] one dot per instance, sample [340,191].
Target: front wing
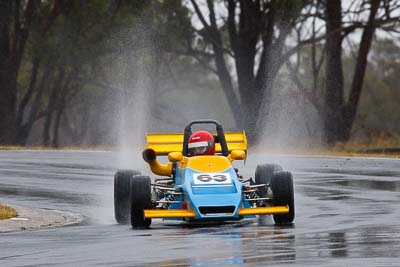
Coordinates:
[182,213]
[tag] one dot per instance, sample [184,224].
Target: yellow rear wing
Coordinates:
[163,144]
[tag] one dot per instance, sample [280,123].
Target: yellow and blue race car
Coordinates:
[201,188]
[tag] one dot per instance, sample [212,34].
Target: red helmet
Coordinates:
[201,143]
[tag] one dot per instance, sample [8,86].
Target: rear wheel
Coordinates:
[263,175]
[283,195]
[122,180]
[140,200]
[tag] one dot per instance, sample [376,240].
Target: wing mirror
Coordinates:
[175,156]
[238,155]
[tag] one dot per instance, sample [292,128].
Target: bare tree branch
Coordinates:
[199,14]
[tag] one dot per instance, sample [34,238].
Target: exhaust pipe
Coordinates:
[150,156]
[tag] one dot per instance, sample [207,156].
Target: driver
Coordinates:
[201,143]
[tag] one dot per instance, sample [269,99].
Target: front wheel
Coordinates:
[122,180]
[283,195]
[140,200]
[263,175]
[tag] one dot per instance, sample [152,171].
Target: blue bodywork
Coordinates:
[210,195]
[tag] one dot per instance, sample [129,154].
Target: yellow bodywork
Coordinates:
[161,169]
[190,214]
[163,144]
[171,145]
[206,163]
[198,163]
[264,210]
[169,214]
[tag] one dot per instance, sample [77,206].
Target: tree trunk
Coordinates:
[13,37]
[51,107]
[55,142]
[350,110]
[28,96]
[7,77]
[213,36]
[334,73]
[244,44]
[222,69]
[25,128]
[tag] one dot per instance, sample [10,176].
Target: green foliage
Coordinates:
[109,44]
[289,8]
[379,105]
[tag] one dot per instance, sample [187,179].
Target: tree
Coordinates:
[13,37]
[253,36]
[65,38]
[339,115]
[338,102]
[17,19]
[377,113]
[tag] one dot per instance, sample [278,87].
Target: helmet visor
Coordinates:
[198,148]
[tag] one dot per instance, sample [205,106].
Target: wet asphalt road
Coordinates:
[347,214]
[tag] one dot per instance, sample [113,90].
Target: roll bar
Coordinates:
[220,134]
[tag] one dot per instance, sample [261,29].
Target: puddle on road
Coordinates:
[251,242]
[343,215]
[369,184]
[61,196]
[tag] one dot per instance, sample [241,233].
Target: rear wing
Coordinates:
[163,144]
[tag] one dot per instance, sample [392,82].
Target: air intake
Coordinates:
[217,210]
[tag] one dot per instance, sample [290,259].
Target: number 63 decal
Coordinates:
[212,178]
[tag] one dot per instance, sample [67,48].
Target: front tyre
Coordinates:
[122,180]
[283,195]
[140,200]
[263,175]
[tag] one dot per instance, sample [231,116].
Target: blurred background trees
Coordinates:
[91,73]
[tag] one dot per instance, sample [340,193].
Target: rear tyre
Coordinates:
[283,194]
[122,180]
[263,175]
[140,200]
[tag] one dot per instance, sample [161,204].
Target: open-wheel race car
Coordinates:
[203,187]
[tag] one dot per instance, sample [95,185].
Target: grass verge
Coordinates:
[373,144]
[380,145]
[7,212]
